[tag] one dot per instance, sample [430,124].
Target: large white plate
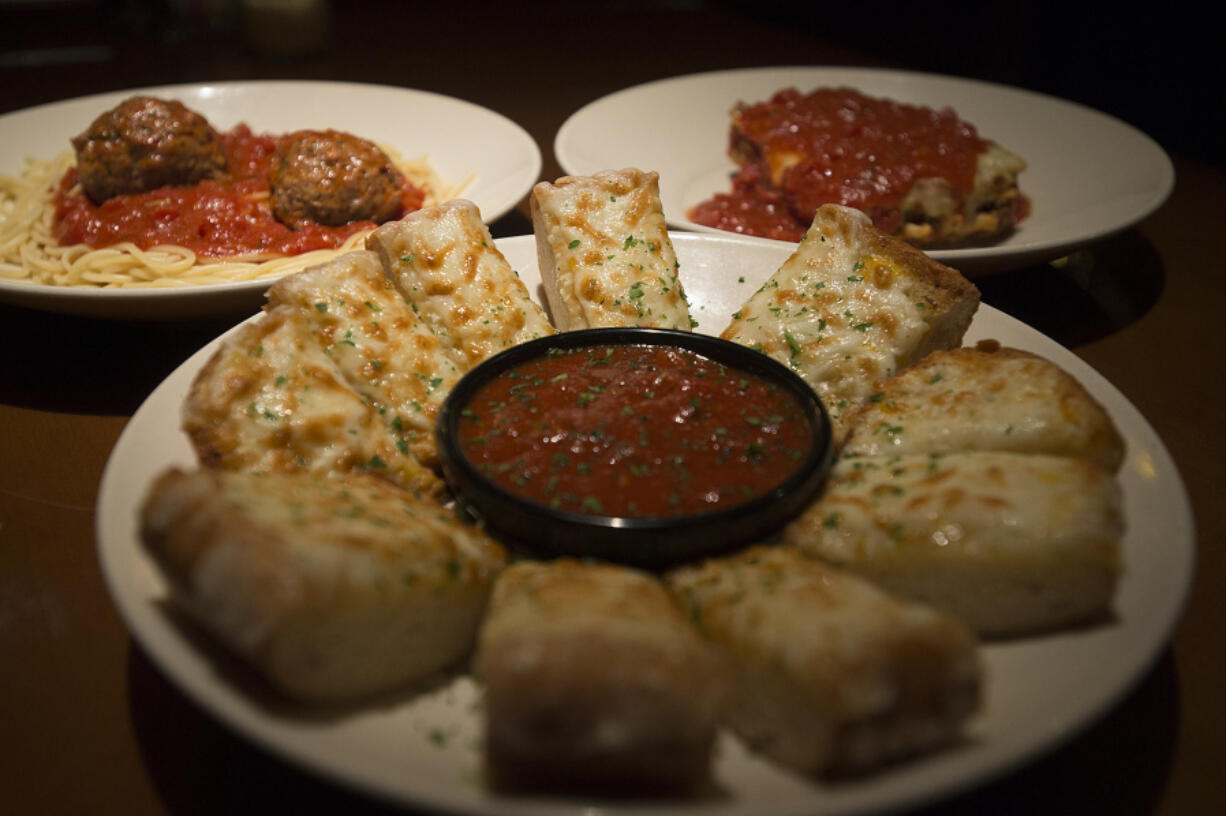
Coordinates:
[424,749]
[1089,175]
[459,139]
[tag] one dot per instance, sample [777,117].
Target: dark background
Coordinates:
[1156,68]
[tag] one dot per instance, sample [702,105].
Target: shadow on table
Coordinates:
[199,766]
[70,364]
[1089,295]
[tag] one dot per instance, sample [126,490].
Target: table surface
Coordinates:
[90,725]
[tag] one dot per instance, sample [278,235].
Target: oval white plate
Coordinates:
[458,138]
[424,750]
[1088,175]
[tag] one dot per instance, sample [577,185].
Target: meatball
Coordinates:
[333,178]
[145,143]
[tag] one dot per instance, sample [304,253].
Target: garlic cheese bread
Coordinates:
[604,253]
[445,263]
[1010,543]
[984,398]
[852,305]
[593,677]
[272,399]
[331,588]
[385,351]
[834,676]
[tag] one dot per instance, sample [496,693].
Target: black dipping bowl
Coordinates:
[643,542]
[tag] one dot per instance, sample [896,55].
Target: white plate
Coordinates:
[458,138]
[1039,691]
[1088,175]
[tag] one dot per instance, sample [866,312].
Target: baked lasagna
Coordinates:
[921,174]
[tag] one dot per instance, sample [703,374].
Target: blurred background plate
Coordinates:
[459,139]
[1089,175]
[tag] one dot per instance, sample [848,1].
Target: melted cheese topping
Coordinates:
[384,350]
[838,314]
[272,399]
[984,399]
[605,255]
[1004,506]
[1010,543]
[446,265]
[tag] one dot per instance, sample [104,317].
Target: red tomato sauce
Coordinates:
[217,218]
[836,146]
[634,431]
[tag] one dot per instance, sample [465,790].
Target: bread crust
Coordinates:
[594,678]
[332,589]
[834,676]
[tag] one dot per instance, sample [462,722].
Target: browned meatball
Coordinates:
[332,178]
[146,143]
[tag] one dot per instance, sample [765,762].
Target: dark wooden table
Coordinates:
[89,725]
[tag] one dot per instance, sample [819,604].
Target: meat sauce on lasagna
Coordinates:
[921,174]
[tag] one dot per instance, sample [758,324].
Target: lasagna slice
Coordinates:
[852,305]
[331,588]
[385,351]
[833,676]
[984,398]
[604,252]
[1010,543]
[273,399]
[445,263]
[921,174]
[594,678]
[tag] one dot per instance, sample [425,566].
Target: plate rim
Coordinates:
[995,760]
[971,261]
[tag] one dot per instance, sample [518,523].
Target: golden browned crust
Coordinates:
[950,297]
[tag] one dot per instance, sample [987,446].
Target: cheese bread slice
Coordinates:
[852,305]
[331,588]
[604,252]
[272,399]
[834,676]
[448,269]
[1011,543]
[984,398]
[384,350]
[594,678]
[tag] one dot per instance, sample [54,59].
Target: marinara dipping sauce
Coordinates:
[648,447]
[642,431]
